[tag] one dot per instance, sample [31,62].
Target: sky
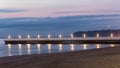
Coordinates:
[56,8]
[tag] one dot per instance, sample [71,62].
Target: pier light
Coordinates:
[60,36]
[49,36]
[38,36]
[84,35]
[9,37]
[72,36]
[97,35]
[111,35]
[19,37]
[28,36]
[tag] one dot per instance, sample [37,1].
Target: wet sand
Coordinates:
[97,58]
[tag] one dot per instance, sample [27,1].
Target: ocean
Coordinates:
[54,26]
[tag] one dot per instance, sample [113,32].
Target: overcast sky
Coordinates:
[53,8]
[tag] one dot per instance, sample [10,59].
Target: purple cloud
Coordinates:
[10,10]
[84,11]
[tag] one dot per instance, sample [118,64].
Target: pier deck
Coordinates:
[92,40]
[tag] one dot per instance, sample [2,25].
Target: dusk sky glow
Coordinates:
[54,8]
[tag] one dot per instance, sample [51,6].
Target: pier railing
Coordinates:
[77,38]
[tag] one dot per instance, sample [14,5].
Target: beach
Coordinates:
[96,58]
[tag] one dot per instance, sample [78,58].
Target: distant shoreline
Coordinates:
[102,33]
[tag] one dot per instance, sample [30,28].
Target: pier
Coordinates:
[61,40]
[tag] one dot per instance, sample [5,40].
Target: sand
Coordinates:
[97,58]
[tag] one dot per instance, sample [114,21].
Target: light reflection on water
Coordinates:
[72,47]
[9,50]
[98,46]
[60,47]
[84,46]
[29,49]
[20,49]
[49,48]
[38,48]
[112,45]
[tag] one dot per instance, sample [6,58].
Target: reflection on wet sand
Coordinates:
[20,49]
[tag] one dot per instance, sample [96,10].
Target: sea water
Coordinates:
[53,26]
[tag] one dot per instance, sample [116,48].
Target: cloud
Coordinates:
[86,11]
[10,10]
[54,26]
[64,12]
